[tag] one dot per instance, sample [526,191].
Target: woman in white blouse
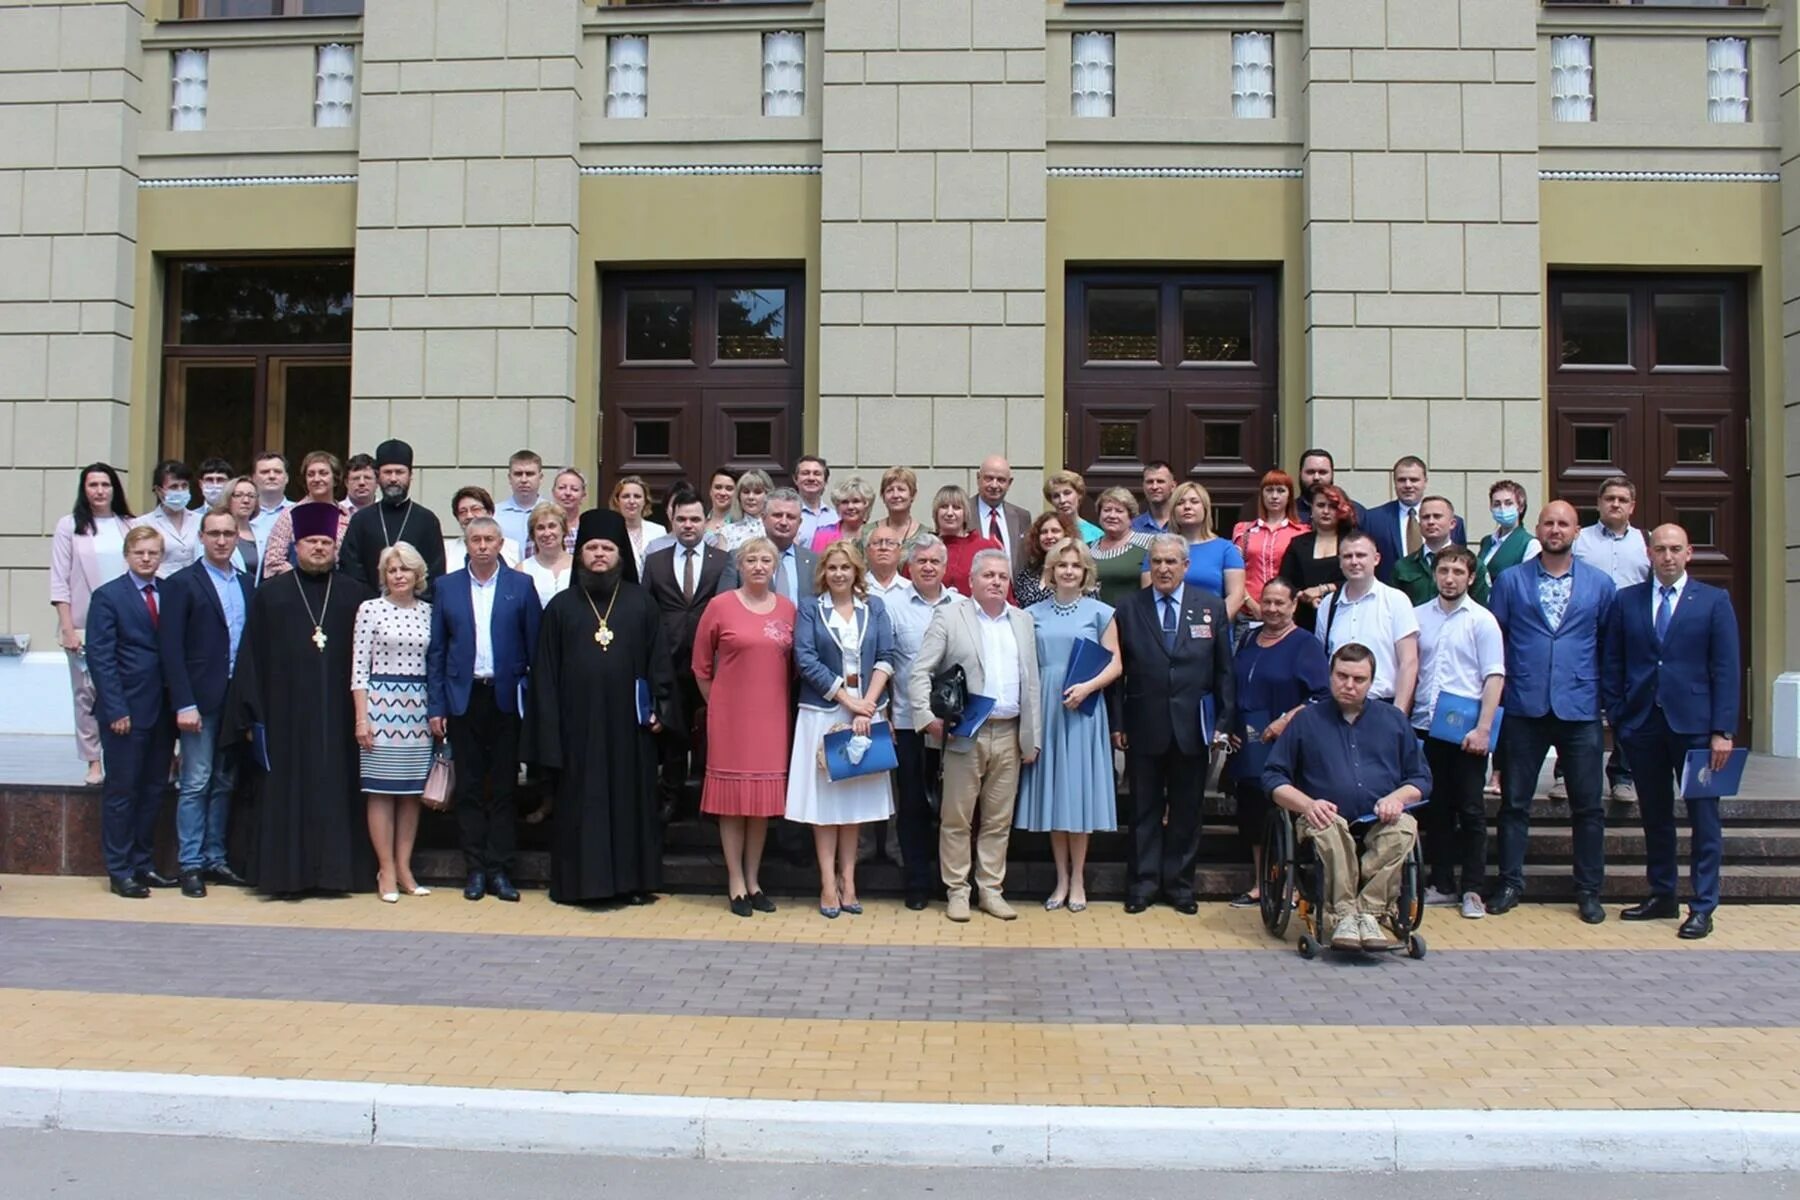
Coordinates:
[551,565]
[630,497]
[87,550]
[465,506]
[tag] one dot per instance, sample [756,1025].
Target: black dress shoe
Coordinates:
[639,899]
[1134,906]
[130,888]
[193,885]
[740,906]
[1587,904]
[1186,907]
[502,887]
[1697,926]
[917,903]
[475,887]
[761,903]
[224,876]
[1505,899]
[155,880]
[1656,908]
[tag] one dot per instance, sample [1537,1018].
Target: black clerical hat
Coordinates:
[393,452]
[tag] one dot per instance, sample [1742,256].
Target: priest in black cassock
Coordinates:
[396,517]
[597,640]
[291,693]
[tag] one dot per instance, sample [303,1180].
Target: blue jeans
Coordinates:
[1523,745]
[208,774]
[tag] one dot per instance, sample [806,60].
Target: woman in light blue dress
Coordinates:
[1069,791]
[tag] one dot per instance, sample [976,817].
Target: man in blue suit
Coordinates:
[203,612]
[1670,671]
[484,631]
[1395,525]
[1552,611]
[136,734]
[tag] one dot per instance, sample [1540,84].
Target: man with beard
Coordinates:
[394,518]
[1317,470]
[291,697]
[601,641]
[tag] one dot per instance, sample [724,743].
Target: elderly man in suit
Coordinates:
[136,734]
[203,613]
[795,565]
[1669,671]
[996,646]
[1552,610]
[683,579]
[996,517]
[484,631]
[1176,643]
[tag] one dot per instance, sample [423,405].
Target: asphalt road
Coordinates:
[36,1164]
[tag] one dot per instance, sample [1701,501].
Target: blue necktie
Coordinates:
[1664,610]
[1168,623]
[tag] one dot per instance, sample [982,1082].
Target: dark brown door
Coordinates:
[1649,378]
[1172,365]
[701,370]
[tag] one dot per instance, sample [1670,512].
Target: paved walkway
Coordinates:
[1533,1010]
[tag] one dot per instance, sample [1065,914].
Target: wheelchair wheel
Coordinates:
[1415,946]
[1409,905]
[1308,946]
[1277,882]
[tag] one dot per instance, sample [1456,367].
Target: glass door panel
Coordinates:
[309,402]
[211,410]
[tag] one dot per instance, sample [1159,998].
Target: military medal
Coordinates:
[318,634]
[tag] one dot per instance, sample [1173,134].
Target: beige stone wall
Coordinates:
[69,102]
[467,234]
[1423,283]
[1788,380]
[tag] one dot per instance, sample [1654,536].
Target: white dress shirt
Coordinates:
[481,597]
[1379,619]
[1623,556]
[983,512]
[1459,651]
[697,552]
[890,594]
[999,662]
[1656,587]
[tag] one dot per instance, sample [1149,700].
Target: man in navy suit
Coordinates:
[1395,525]
[484,631]
[1552,610]
[1670,672]
[136,734]
[203,612]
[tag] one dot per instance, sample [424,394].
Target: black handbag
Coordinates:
[949,694]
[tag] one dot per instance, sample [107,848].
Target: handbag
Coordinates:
[949,694]
[440,780]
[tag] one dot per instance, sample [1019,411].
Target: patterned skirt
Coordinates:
[398,719]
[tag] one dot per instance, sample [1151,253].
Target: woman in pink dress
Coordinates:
[743,662]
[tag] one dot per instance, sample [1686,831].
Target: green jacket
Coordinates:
[1510,554]
[1414,576]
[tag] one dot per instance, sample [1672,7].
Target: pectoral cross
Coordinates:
[318,638]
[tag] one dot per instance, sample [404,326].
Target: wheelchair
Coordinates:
[1294,884]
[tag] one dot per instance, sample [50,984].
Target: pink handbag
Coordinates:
[440,781]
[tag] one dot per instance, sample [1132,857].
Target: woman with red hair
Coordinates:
[1264,540]
[1311,561]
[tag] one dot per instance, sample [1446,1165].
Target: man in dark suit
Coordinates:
[1396,526]
[484,631]
[1669,670]
[683,579]
[203,612]
[1318,469]
[137,735]
[997,518]
[795,565]
[1176,643]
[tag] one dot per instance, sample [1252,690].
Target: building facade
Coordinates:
[1538,241]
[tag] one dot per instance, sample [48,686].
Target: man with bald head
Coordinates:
[1552,610]
[1669,672]
[994,517]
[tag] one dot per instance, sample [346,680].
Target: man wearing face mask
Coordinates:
[1509,545]
[395,518]
[215,479]
[173,487]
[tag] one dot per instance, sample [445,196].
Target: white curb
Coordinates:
[948,1135]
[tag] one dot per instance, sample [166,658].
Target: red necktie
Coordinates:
[150,603]
[994,526]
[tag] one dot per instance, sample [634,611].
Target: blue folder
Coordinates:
[975,715]
[1700,782]
[1087,658]
[1455,717]
[1253,755]
[259,745]
[1209,719]
[1369,817]
[646,707]
[880,756]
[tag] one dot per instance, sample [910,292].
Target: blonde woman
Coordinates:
[852,499]
[241,501]
[630,499]
[753,488]
[899,489]
[1064,491]
[952,513]
[1214,563]
[387,684]
[550,565]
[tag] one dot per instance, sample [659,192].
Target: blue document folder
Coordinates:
[1455,717]
[1209,719]
[975,714]
[1087,658]
[646,707]
[1369,817]
[880,756]
[259,745]
[1700,782]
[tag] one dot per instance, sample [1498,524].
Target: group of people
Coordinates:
[1012,667]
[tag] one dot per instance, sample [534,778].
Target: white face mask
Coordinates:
[214,492]
[176,499]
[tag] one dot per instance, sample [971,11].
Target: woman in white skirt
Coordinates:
[844,649]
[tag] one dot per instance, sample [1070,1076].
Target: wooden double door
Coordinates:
[1172,365]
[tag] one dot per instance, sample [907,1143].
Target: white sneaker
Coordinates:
[1559,790]
[1348,933]
[1374,937]
[1473,907]
[1437,899]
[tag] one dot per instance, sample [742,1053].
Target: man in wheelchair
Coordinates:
[1347,768]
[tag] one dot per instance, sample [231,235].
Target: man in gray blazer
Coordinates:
[996,646]
[794,564]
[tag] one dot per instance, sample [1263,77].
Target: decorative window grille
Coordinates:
[784,74]
[334,97]
[1091,74]
[1727,80]
[187,107]
[1252,74]
[627,75]
[1572,78]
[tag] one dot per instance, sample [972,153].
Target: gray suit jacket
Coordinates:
[806,563]
[952,638]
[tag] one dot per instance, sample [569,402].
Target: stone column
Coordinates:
[466,219]
[932,247]
[1423,268]
[68,234]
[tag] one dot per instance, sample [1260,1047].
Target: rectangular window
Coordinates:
[752,323]
[1122,325]
[659,325]
[1596,329]
[227,10]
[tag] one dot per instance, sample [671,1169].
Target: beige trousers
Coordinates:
[87,725]
[982,780]
[1374,888]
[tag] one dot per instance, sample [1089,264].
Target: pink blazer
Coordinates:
[74,571]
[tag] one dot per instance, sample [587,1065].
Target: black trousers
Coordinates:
[916,776]
[1253,805]
[1162,857]
[1455,823]
[137,775]
[485,744]
[681,756]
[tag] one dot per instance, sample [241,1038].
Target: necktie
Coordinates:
[150,603]
[687,575]
[1414,539]
[1665,609]
[994,526]
[1168,623]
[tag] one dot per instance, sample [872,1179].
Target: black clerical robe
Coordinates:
[380,525]
[605,838]
[310,826]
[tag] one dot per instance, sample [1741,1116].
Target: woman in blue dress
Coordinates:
[1214,563]
[1068,792]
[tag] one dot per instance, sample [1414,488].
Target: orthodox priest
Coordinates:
[598,640]
[291,698]
[396,517]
